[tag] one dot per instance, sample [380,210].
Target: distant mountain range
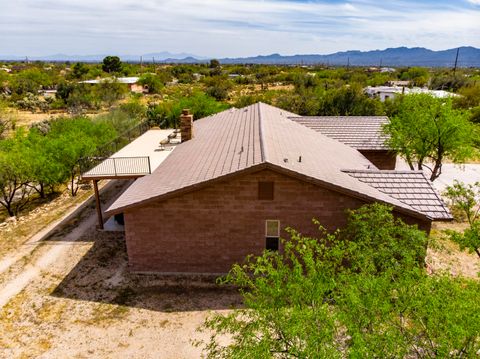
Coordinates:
[158,56]
[401,56]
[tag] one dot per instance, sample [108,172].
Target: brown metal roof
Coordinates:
[359,132]
[411,187]
[258,136]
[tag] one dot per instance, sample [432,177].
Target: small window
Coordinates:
[265,190]
[272,228]
[272,234]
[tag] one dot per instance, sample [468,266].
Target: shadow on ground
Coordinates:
[102,276]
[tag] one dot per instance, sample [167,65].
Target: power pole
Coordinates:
[348,62]
[141,61]
[456,61]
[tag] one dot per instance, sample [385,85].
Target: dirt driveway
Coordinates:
[71,296]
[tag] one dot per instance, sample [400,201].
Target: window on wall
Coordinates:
[272,234]
[265,190]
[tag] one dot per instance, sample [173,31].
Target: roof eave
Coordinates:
[187,189]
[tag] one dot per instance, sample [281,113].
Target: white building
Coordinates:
[389,92]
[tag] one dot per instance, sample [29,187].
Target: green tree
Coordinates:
[152,82]
[44,171]
[30,81]
[419,76]
[166,114]
[348,101]
[429,129]
[79,70]
[71,139]
[218,87]
[112,64]
[14,174]
[469,97]
[335,296]
[109,91]
[465,201]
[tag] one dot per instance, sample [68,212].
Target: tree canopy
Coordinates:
[112,64]
[361,292]
[425,129]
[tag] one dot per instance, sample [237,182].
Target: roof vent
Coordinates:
[285,160]
[299,158]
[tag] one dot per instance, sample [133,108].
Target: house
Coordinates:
[131,82]
[389,92]
[364,133]
[398,83]
[240,177]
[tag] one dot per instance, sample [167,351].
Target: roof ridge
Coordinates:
[382,171]
[263,153]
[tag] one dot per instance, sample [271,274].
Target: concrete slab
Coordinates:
[468,173]
[138,158]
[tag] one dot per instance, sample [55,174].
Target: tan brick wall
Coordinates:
[384,160]
[208,230]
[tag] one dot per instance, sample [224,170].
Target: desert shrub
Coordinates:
[166,114]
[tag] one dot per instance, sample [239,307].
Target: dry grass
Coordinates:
[15,232]
[445,255]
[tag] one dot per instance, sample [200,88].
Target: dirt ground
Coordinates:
[69,294]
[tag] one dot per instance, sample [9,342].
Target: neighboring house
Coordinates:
[398,83]
[243,175]
[131,82]
[364,133]
[389,92]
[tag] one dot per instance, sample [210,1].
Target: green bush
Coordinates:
[361,292]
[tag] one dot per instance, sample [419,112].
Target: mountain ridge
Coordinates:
[398,56]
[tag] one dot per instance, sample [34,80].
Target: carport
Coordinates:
[137,159]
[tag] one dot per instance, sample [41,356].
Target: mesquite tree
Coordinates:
[428,130]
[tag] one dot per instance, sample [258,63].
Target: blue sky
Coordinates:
[231,28]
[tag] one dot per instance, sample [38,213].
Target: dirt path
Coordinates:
[69,294]
[30,271]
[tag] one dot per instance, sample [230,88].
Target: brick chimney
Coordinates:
[186,125]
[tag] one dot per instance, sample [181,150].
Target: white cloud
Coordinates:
[230,27]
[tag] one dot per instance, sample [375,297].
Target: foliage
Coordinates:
[31,102]
[14,194]
[124,117]
[166,114]
[152,82]
[349,101]
[72,139]
[81,98]
[425,128]
[418,75]
[112,64]
[469,97]
[218,87]
[79,70]
[327,297]
[465,201]
[447,81]
[109,91]
[30,81]
[344,101]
